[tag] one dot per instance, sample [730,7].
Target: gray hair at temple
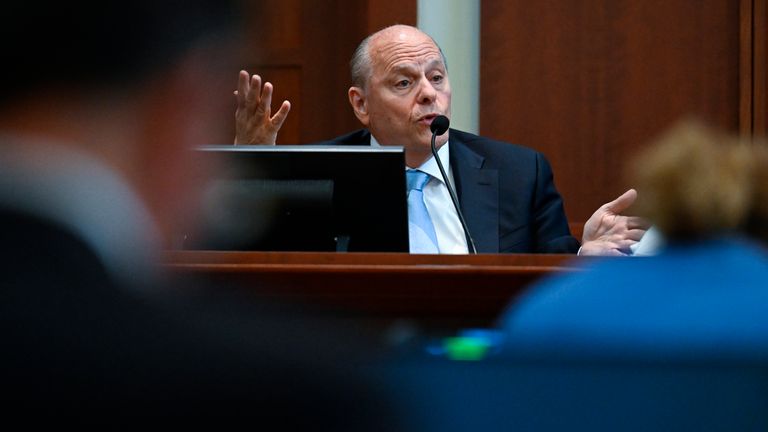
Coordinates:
[361,65]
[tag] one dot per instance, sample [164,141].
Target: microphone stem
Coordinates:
[455,200]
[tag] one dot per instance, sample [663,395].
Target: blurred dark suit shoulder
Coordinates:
[80,344]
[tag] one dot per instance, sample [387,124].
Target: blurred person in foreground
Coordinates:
[95,172]
[703,296]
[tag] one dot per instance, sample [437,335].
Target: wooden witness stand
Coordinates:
[444,292]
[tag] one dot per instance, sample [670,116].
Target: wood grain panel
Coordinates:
[589,82]
[303,47]
[383,13]
[446,292]
[331,30]
[273,26]
[746,69]
[760,68]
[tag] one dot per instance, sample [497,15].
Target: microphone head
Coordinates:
[439,125]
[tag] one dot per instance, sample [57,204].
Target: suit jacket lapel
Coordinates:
[478,191]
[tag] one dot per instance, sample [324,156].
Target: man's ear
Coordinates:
[359,104]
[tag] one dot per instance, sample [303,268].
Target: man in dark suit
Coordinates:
[400,84]
[481,169]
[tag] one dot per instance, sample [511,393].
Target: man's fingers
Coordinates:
[242,88]
[279,118]
[622,203]
[265,104]
[614,247]
[624,245]
[611,252]
[252,98]
[635,234]
[636,222]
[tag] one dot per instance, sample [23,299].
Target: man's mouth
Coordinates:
[427,119]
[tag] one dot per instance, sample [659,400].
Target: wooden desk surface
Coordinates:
[446,290]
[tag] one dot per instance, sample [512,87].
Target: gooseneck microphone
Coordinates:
[439,126]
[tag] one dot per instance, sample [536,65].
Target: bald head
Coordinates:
[362,60]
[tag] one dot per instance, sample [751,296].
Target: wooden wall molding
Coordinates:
[303,47]
[590,83]
[760,67]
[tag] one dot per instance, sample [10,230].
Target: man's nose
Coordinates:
[427,92]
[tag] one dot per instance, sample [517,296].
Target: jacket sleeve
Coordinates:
[551,232]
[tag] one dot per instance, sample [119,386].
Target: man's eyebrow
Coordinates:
[411,67]
[407,67]
[436,63]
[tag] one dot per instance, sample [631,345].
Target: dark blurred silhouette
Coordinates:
[99,104]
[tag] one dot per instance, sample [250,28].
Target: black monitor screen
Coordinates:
[303,198]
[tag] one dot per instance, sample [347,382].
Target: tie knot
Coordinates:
[416,179]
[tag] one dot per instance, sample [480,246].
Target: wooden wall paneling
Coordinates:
[332,29]
[590,82]
[754,73]
[760,68]
[383,13]
[746,69]
[273,49]
[304,46]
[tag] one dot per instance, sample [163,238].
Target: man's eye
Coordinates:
[437,78]
[402,84]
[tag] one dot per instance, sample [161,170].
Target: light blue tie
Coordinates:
[420,229]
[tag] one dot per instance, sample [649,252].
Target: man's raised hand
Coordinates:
[608,232]
[254,123]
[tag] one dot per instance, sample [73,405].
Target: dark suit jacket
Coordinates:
[506,193]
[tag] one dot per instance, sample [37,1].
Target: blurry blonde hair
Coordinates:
[696,182]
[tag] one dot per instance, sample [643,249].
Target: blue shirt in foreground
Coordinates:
[692,301]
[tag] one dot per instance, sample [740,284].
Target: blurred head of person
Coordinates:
[696,182]
[131,85]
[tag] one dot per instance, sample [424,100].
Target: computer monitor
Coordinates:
[303,198]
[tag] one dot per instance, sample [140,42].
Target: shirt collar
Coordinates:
[430,165]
